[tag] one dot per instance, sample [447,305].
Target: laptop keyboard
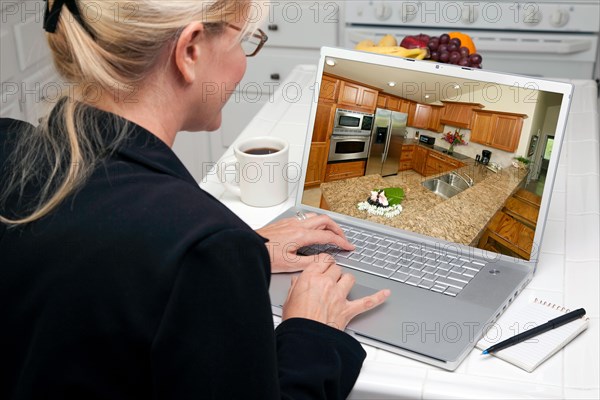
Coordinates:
[409,263]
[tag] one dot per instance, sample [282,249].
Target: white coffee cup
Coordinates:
[261,171]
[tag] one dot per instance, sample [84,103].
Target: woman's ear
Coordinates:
[187,51]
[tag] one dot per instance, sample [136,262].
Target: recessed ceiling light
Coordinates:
[456,87]
[330,62]
[391,84]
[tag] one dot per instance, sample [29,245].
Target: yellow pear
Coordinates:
[388,40]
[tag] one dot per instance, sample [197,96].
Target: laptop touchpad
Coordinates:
[358,291]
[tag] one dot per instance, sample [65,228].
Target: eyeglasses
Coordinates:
[252,43]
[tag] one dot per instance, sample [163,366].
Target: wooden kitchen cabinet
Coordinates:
[317,164]
[434,119]
[405,106]
[458,114]
[357,96]
[438,163]
[406,157]
[330,89]
[425,116]
[323,122]
[319,149]
[419,160]
[393,103]
[497,129]
[418,116]
[345,170]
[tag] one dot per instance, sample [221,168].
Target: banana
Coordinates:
[398,51]
[365,44]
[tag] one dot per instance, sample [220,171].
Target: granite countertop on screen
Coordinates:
[460,218]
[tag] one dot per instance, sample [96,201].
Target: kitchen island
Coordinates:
[461,218]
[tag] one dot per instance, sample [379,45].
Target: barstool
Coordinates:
[505,231]
[522,211]
[528,197]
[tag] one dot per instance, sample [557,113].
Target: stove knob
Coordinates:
[469,13]
[383,11]
[559,18]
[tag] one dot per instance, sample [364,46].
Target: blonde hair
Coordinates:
[118,46]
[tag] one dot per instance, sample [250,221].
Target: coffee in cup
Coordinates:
[261,171]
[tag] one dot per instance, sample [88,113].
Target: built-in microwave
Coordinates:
[349,122]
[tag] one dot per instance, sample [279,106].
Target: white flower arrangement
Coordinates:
[387,212]
[378,203]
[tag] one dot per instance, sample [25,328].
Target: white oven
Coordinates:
[550,38]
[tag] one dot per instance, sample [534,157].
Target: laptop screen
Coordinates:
[464,156]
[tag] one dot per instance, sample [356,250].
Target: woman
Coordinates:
[120,278]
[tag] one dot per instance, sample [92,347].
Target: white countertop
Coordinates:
[567,274]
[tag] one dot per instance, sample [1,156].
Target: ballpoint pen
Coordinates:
[552,324]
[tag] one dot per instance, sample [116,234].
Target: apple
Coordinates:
[415,41]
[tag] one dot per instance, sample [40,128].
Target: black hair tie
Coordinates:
[51,16]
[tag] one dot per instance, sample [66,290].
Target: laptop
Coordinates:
[453,261]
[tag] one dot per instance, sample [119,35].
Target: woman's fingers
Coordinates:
[314,221]
[367,303]
[307,238]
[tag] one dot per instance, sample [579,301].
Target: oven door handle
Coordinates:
[358,138]
[536,46]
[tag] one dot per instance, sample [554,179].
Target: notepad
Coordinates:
[529,354]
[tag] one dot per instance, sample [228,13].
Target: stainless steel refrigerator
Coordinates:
[388,131]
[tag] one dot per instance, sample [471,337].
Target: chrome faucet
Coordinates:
[469,182]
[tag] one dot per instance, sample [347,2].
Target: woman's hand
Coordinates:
[320,293]
[288,235]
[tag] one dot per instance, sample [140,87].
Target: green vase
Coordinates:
[451,149]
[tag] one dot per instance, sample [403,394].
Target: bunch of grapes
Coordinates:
[446,50]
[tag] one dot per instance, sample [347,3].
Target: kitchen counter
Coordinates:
[568,271]
[460,218]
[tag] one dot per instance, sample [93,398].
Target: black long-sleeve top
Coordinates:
[142,286]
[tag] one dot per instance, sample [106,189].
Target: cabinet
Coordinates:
[345,170]
[317,163]
[405,106]
[330,88]
[497,129]
[434,119]
[459,114]
[406,157]
[319,149]
[438,163]
[323,122]
[393,103]
[419,161]
[425,116]
[356,96]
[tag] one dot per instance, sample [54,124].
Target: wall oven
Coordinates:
[347,147]
[549,38]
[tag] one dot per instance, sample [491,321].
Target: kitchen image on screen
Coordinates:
[460,160]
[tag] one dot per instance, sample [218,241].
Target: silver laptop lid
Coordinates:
[509,117]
